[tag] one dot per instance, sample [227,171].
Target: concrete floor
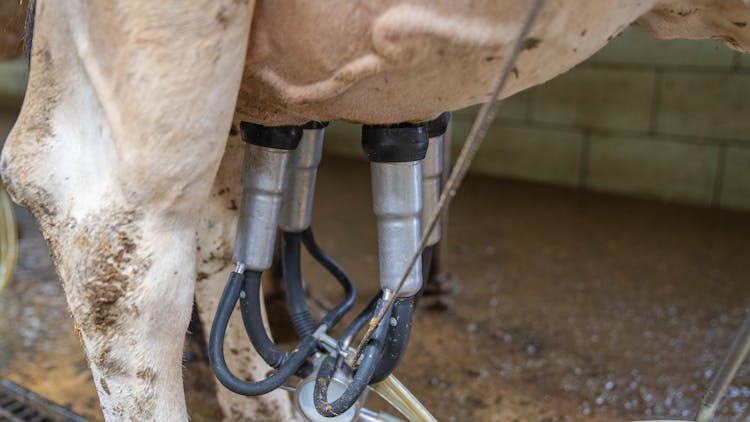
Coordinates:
[557,305]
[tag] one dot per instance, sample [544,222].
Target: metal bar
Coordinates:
[737,354]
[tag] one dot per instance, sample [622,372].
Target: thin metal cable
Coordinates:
[737,354]
[468,151]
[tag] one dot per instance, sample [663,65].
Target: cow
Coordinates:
[12,17]
[121,149]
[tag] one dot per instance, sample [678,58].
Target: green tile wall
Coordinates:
[743,60]
[618,99]
[534,154]
[705,105]
[12,84]
[735,187]
[663,169]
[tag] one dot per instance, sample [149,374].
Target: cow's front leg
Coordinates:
[118,142]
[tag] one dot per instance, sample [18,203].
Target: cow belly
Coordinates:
[392,61]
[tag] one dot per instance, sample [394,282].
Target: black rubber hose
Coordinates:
[253,320]
[295,294]
[426,265]
[360,321]
[216,348]
[399,334]
[350,291]
[398,337]
[362,376]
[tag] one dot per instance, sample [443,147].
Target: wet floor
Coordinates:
[556,305]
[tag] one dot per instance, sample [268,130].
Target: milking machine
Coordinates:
[432,182]
[278,179]
[406,164]
[333,378]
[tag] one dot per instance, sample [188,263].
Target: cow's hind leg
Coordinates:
[216,233]
[115,151]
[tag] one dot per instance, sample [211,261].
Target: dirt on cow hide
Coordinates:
[554,305]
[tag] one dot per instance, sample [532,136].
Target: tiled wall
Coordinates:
[12,86]
[643,117]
